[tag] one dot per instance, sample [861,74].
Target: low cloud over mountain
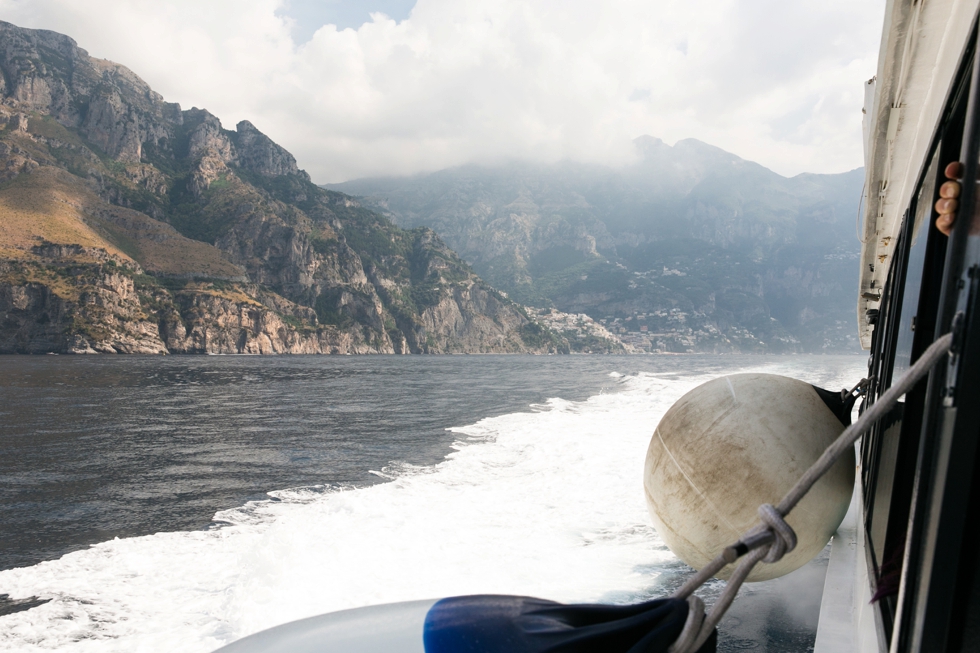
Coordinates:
[691,248]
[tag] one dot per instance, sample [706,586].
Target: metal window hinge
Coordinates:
[957,328]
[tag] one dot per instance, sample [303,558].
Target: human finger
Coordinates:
[946,206]
[944,223]
[950,189]
[954,170]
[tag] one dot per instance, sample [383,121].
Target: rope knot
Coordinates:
[785,536]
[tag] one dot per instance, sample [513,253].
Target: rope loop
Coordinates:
[692,626]
[785,536]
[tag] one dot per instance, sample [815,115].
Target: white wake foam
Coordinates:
[546,503]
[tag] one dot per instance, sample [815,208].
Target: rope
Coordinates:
[785,536]
[692,626]
[772,538]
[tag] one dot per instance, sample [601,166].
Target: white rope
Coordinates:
[785,535]
[692,625]
[772,538]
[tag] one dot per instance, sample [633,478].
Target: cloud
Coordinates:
[455,81]
[307,16]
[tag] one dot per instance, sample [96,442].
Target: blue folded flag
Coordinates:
[521,624]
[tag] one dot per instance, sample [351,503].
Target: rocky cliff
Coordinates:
[130,225]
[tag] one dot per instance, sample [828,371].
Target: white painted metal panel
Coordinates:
[921,49]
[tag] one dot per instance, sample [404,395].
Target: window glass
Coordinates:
[919,236]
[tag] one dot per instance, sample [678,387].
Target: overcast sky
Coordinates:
[381,87]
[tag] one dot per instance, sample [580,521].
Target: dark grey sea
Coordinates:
[249,491]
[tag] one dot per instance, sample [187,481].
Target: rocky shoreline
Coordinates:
[113,307]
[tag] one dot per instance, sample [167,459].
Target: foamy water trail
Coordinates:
[547,502]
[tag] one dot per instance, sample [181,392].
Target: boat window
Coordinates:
[918,237]
[880,446]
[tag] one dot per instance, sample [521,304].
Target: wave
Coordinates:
[547,502]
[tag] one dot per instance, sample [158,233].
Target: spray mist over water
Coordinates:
[546,502]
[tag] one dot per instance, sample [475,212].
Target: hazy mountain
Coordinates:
[713,252]
[128,224]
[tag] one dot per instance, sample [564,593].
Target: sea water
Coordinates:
[164,504]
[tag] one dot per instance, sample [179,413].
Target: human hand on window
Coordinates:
[948,201]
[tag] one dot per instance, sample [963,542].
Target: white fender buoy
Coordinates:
[732,444]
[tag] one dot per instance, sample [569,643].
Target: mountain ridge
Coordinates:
[751,260]
[131,225]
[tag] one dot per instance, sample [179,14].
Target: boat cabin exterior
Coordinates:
[919,486]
